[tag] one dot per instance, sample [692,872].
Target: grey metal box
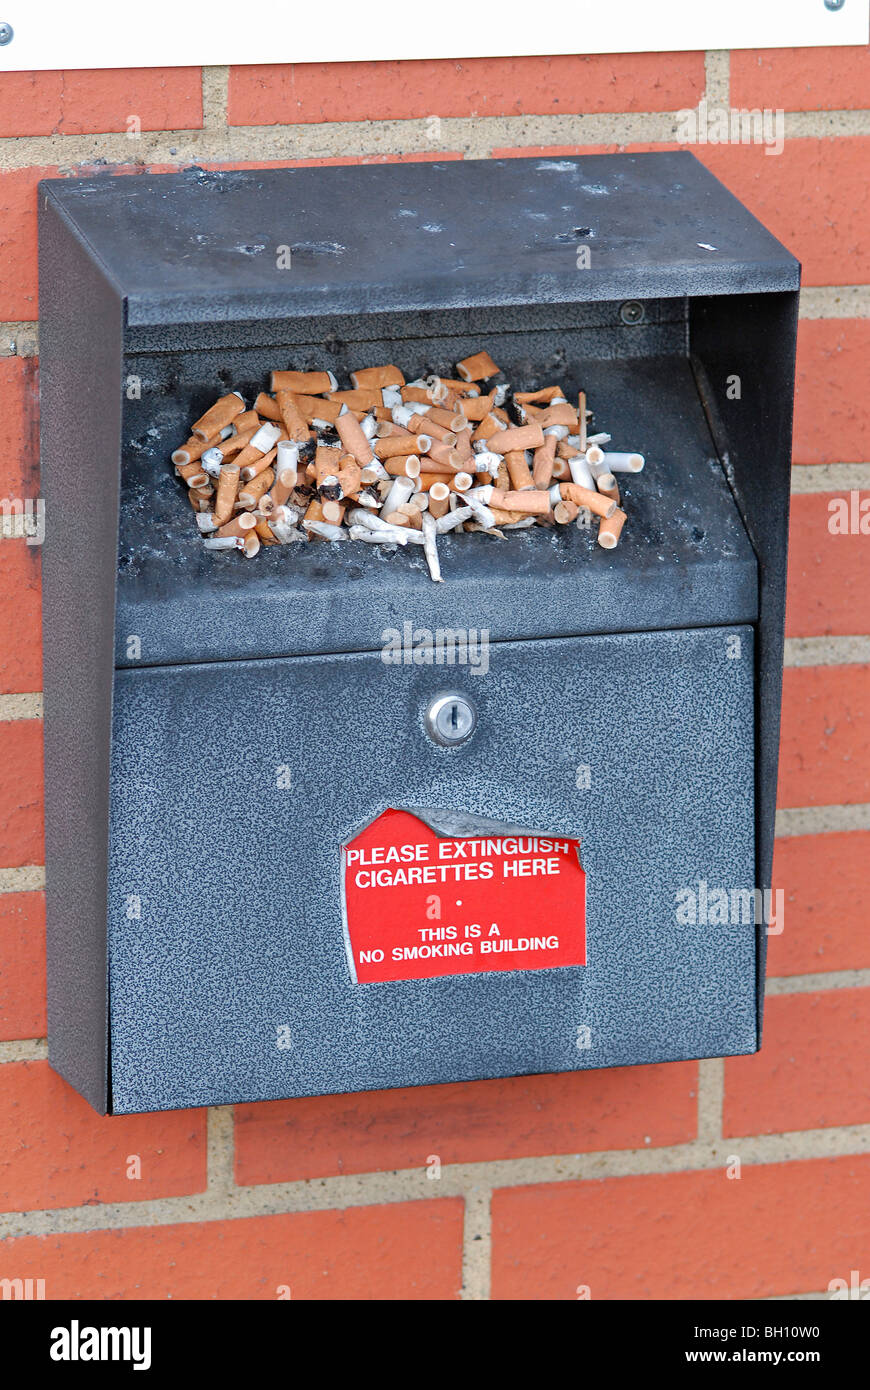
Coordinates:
[161,782]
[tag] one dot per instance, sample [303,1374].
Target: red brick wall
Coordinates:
[620,1182]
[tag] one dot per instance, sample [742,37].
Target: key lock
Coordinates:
[451,719]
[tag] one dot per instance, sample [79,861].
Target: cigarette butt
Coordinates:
[264,531]
[254,490]
[441,453]
[610,529]
[462,446]
[623,463]
[327,462]
[545,395]
[608,487]
[560,471]
[265,406]
[545,457]
[488,426]
[251,546]
[303,383]
[519,437]
[518,469]
[502,477]
[191,451]
[405,467]
[377,377]
[291,416]
[557,414]
[439,499]
[397,491]
[357,400]
[477,367]
[395,444]
[239,525]
[223,543]
[450,419]
[594,455]
[581,474]
[563,512]
[194,469]
[416,395]
[222,413]
[333,512]
[314,511]
[477,407]
[350,432]
[317,408]
[529,500]
[598,505]
[227,491]
[350,477]
[460,482]
[235,444]
[397,518]
[414,515]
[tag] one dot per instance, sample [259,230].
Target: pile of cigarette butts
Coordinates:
[395,462]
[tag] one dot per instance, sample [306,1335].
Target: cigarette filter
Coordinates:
[584,497]
[519,437]
[304,383]
[293,420]
[610,530]
[529,500]
[350,432]
[477,367]
[377,377]
[222,413]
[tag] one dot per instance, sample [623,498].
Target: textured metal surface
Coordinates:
[683,560]
[203,299]
[80,392]
[754,344]
[200,247]
[240,928]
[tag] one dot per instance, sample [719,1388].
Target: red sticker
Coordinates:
[418,903]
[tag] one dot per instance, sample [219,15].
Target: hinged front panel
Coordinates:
[235,787]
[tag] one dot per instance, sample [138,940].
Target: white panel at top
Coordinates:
[175,33]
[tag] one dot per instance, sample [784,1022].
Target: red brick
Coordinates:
[812,1069]
[825,743]
[20,617]
[779,1229]
[21,837]
[801,79]
[55,1151]
[18,240]
[99,101]
[22,965]
[832,404]
[828,593]
[826,883]
[401,1252]
[19,427]
[302,93]
[284,1141]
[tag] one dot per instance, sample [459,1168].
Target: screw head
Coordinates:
[834,4]
[7,33]
[450,719]
[631,311]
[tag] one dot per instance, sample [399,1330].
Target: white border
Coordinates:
[55,34]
